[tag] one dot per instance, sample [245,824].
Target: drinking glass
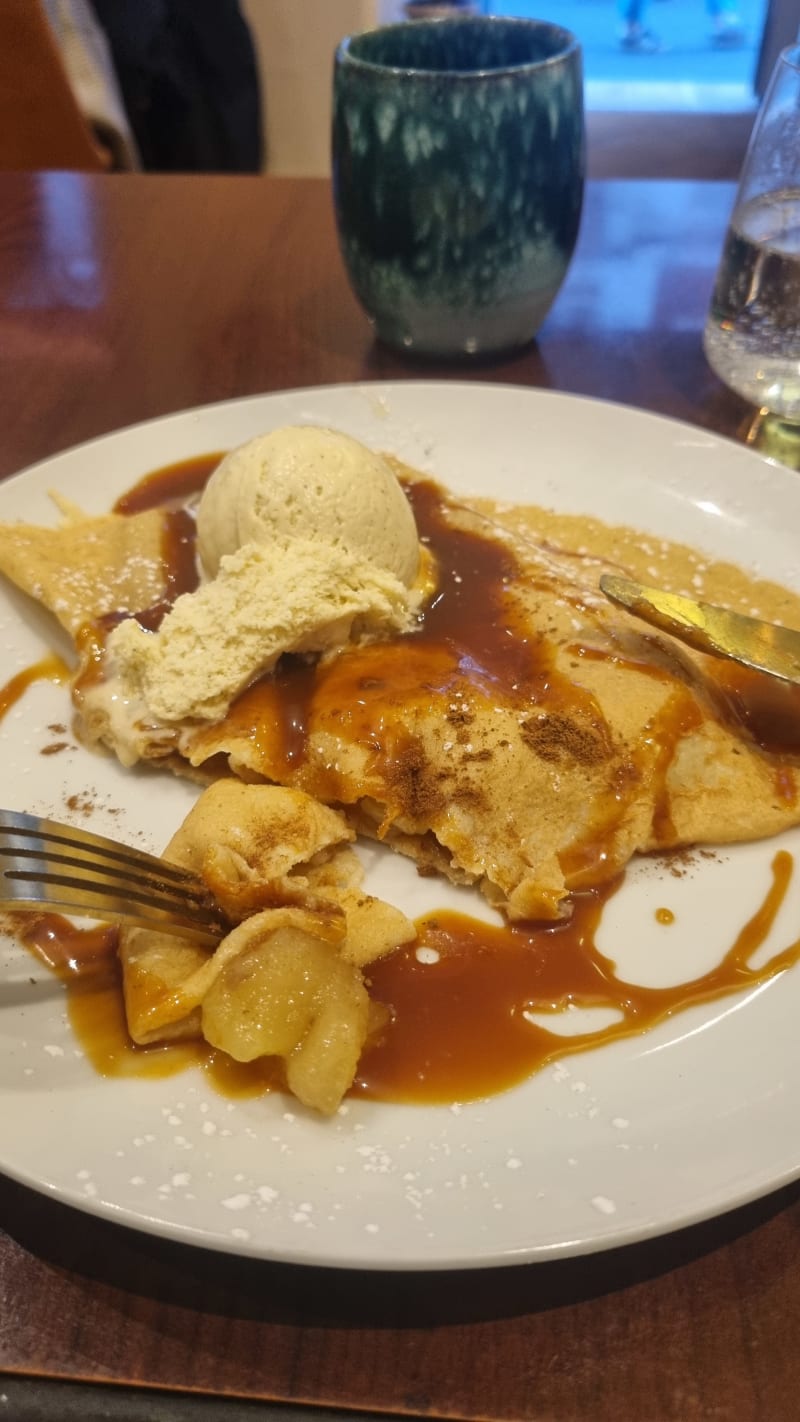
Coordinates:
[458,168]
[752,335]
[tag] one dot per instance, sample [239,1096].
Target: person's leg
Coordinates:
[634,36]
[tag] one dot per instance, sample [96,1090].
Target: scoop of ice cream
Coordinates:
[305,482]
[264,601]
[307,542]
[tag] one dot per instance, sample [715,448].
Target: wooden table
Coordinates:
[129,297]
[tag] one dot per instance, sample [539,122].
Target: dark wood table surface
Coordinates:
[126,297]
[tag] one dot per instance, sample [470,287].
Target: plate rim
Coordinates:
[389,386]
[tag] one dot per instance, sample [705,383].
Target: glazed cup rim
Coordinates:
[569,45]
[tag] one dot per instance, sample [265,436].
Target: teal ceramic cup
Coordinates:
[458,171]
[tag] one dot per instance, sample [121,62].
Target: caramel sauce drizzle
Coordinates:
[768,709]
[174,485]
[461,1020]
[85,960]
[50,668]
[466,635]
[458,1028]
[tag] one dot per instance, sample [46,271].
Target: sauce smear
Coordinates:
[51,668]
[460,1030]
[458,996]
[172,484]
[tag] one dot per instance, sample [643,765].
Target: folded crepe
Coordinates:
[527,737]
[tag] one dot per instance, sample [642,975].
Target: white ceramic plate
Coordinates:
[611,1146]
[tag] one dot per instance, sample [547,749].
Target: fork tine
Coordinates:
[44,864]
[32,827]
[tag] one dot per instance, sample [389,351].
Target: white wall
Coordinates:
[295,42]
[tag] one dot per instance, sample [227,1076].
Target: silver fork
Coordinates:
[46,865]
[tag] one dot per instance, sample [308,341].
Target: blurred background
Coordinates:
[244,85]
[681,63]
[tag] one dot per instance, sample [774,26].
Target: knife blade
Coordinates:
[763,646]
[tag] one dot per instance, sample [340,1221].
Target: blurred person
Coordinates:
[189,78]
[726,29]
[635,36]
[90,74]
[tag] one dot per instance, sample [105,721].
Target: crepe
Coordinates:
[90,568]
[527,737]
[531,746]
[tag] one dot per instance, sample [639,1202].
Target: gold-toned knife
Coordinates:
[761,645]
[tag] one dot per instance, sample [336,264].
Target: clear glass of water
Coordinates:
[752,334]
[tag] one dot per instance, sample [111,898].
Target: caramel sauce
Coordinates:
[467,642]
[50,668]
[173,484]
[179,538]
[467,632]
[769,709]
[681,715]
[457,1028]
[85,959]
[178,555]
